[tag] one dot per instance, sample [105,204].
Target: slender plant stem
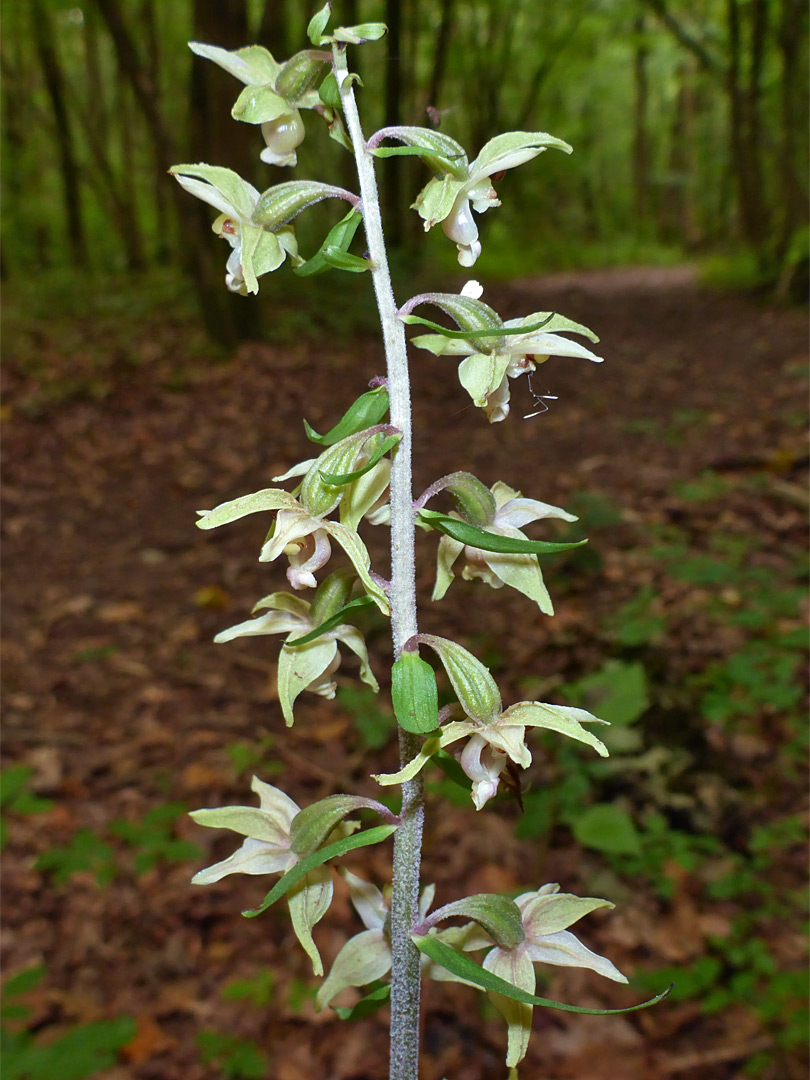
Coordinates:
[405,967]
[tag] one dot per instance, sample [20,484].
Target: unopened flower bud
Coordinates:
[300,73]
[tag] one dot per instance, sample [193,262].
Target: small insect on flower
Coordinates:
[539,399]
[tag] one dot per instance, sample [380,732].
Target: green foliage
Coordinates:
[638,622]
[81,1052]
[239,1059]
[257,990]
[87,853]
[374,725]
[607,828]
[151,839]
[16,799]
[254,756]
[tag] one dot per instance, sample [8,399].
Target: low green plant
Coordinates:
[81,1052]
[238,1059]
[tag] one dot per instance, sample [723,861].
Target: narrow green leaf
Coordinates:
[340,480]
[340,237]
[365,1006]
[489,541]
[318,858]
[366,411]
[472,335]
[466,968]
[344,260]
[332,621]
[414,694]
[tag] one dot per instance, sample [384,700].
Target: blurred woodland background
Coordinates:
[688,122]
[137,390]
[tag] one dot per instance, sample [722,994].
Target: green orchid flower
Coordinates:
[458,187]
[495,735]
[274,93]
[492,359]
[507,513]
[545,916]
[366,957]
[266,849]
[309,666]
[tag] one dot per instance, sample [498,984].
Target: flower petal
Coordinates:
[549,913]
[561,718]
[298,667]
[351,637]
[449,551]
[309,900]
[274,622]
[364,958]
[252,857]
[515,966]
[566,950]
[368,901]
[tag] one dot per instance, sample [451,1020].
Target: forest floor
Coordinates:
[685,456]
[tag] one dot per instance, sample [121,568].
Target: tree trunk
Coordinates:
[744,155]
[224,320]
[69,168]
[641,140]
[793,95]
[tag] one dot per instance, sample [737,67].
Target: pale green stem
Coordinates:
[405,967]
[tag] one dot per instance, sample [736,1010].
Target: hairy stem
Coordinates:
[405,968]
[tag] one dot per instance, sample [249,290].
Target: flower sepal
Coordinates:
[321,821]
[498,915]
